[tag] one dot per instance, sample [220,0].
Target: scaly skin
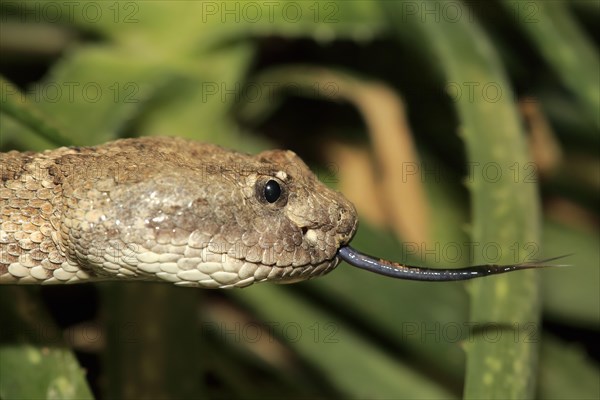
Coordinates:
[166,209]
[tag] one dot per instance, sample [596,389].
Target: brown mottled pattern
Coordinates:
[166,209]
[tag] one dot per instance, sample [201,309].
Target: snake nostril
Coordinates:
[304,230]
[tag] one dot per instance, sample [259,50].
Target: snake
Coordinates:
[175,210]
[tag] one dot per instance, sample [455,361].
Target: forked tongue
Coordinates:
[410,272]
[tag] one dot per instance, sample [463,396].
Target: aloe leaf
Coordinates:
[505,214]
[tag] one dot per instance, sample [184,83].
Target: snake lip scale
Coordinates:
[175,210]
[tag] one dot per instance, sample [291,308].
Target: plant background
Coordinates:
[363,91]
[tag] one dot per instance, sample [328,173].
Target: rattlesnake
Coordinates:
[170,209]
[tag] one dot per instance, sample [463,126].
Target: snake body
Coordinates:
[166,209]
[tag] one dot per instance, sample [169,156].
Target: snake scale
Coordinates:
[170,209]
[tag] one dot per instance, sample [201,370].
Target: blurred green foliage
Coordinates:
[87,72]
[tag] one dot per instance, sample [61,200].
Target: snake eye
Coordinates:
[272,191]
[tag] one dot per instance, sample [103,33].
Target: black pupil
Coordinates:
[272,191]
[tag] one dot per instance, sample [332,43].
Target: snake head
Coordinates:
[203,216]
[298,221]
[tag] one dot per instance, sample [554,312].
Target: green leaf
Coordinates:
[34,360]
